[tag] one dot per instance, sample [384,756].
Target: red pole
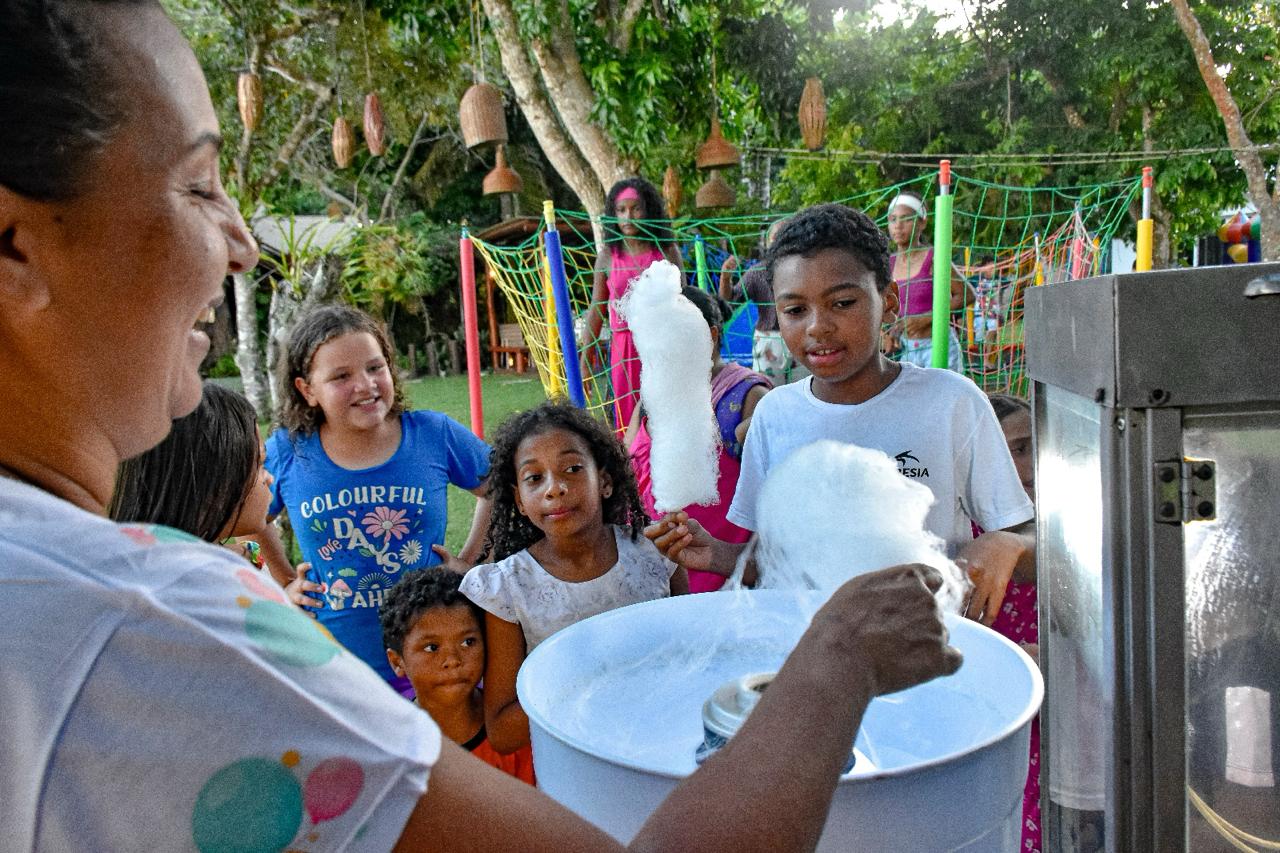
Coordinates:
[471,323]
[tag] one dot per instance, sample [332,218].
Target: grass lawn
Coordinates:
[504,393]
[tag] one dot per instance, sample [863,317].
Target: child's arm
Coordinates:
[726,277]
[504,720]
[683,541]
[748,409]
[599,297]
[268,538]
[680,581]
[473,548]
[632,428]
[991,561]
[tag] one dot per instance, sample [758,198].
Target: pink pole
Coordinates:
[471,323]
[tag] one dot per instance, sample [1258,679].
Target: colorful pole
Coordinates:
[1146,228]
[563,308]
[700,263]
[471,325]
[942,267]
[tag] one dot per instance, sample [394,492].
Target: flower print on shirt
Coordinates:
[386,522]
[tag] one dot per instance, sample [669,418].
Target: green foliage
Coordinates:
[397,264]
[224,367]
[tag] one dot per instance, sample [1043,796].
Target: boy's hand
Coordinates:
[889,623]
[298,589]
[682,540]
[989,562]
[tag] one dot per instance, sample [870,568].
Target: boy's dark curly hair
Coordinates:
[509,531]
[1006,404]
[655,226]
[415,592]
[833,226]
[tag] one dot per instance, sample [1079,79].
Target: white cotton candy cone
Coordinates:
[674,343]
[832,511]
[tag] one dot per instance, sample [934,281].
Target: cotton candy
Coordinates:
[674,343]
[831,511]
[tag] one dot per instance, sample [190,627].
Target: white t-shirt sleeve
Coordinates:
[218,716]
[489,589]
[755,465]
[990,492]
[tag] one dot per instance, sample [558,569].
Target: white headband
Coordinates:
[908,201]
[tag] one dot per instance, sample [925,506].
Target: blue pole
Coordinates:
[564,316]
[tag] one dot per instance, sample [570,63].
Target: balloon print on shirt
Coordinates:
[257,804]
[281,630]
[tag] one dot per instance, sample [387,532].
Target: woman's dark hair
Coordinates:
[509,531]
[419,590]
[655,227]
[833,226]
[198,478]
[714,309]
[60,98]
[313,331]
[1006,404]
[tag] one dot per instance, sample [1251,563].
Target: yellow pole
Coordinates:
[1146,228]
[555,360]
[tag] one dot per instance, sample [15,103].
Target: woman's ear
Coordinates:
[606,485]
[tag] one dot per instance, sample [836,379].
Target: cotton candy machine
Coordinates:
[615,708]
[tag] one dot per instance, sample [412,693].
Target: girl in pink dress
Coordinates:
[636,234]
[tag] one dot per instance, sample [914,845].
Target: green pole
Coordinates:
[942,267]
[700,263]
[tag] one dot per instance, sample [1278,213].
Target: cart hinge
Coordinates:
[1184,490]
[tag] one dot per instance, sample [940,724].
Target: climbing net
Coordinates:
[1004,240]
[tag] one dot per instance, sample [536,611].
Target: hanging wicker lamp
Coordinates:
[813,115]
[715,192]
[672,192]
[717,152]
[375,129]
[482,117]
[503,179]
[343,142]
[249,98]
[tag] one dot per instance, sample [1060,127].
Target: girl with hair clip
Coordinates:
[636,235]
[911,266]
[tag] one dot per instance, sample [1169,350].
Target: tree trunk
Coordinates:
[321,285]
[248,348]
[1246,154]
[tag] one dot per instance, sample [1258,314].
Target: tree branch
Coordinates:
[1247,156]
[275,66]
[404,164]
[287,149]
[627,25]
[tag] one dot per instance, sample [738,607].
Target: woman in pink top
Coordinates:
[636,235]
[912,269]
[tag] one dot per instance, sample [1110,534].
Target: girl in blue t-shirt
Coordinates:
[365,481]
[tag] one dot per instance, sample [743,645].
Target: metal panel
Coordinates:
[1174,337]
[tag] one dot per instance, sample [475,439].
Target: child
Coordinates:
[206,478]
[632,246]
[1018,616]
[566,534]
[364,481]
[435,638]
[830,272]
[735,391]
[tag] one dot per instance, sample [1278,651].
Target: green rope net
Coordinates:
[1005,239]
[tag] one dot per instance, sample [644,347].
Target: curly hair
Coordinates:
[833,226]
[510,531]
[418,591]
[313,331]
[199,477]
[655,226]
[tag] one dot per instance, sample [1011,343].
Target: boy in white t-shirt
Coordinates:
[831,282]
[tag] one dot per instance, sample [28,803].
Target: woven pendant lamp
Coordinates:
[715,192]
[503,179]
[717,152]
[343,142]
[672,192]
[813,115]
[483,120]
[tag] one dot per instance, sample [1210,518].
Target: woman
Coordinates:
[911,266]
[158,693]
